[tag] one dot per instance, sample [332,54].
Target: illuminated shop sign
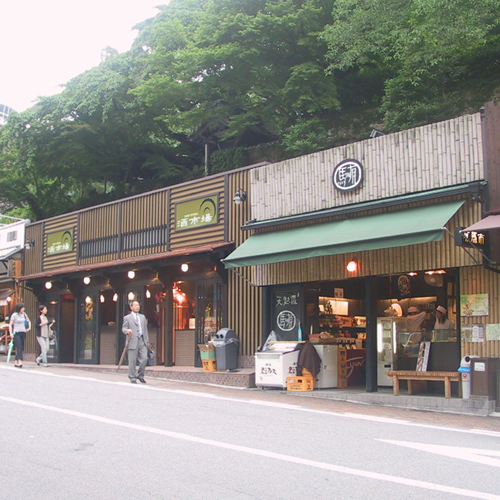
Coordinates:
[348,175]
[470,238]
[60,241]
[196,213]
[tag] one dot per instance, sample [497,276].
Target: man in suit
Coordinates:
[135,326]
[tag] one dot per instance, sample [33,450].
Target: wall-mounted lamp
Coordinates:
[184,268]
[240,196]
[413,273]
[352,266]
[131,275]
[30,243]
[48,285]
[86,280]
[131,296]
[115,297]
[148,293]
[102,299]
[88,300]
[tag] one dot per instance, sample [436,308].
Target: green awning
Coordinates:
[370,232]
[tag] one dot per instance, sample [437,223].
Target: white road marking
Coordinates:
[263,453]
[479,456]
[294,407]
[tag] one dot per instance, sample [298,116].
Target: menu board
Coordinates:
[285,310]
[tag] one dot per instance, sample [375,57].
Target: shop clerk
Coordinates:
[442,321]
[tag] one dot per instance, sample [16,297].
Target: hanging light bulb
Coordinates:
[148,294]
[131,296]
[48,285]
[102,299]
[131,275]
[115,297]
[86,280]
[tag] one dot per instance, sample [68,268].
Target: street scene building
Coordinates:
[371,250]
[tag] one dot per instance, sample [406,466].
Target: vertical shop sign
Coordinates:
[285,311]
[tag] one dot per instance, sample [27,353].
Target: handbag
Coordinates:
[151,357]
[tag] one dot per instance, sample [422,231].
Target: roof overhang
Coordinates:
[212,248]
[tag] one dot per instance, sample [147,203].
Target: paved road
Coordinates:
[75,435]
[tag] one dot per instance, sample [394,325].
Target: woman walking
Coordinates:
[42,334]
[18,326]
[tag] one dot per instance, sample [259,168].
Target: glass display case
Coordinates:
[391,333]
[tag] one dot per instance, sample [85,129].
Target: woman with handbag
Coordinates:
[43,334]
[19,324]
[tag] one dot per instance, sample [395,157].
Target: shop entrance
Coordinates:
[372,329]
[88,330]
[197,316]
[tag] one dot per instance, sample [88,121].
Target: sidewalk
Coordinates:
[245,379]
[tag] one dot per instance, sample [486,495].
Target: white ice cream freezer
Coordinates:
[276,363]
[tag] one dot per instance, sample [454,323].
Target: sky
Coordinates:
[46,43]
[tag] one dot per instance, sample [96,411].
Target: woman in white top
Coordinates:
[18,326]
[42,334]
[442,321]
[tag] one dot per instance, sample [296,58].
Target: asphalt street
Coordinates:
[75,435]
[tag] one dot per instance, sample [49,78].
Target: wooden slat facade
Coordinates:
[478,280]
[206,234]
[102,232]
[69,221]
[429,157]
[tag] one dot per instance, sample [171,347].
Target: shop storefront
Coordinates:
[367,240]
[162,249]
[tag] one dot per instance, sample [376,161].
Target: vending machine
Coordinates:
[387,329]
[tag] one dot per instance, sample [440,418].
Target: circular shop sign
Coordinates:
[286,321]
[348,175]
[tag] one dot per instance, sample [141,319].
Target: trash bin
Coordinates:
[484,377]
[465,371]
[226,345]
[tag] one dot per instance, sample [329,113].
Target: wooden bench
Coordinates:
[412,376]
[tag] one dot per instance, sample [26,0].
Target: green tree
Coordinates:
[244,63]
[428,53]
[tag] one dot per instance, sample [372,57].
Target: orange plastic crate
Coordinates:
[300,384]
[209,365]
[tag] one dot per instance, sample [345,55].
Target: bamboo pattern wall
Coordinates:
[244,300]
[441,254]
[478,280]
[433,156]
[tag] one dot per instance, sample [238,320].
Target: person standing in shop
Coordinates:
[442,321]
[135,326]
[18,326]
[42,326]
[414,319]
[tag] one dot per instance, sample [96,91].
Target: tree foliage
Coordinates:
[308,73]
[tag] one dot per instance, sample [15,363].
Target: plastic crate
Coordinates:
[300,384]
[209,365]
